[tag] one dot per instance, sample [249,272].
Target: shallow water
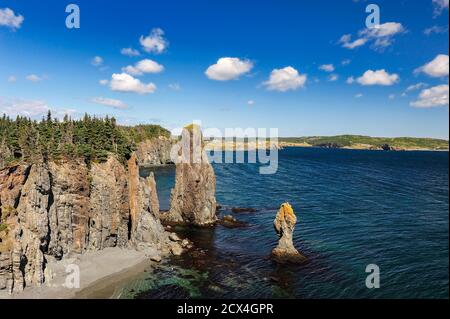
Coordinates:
[354,208]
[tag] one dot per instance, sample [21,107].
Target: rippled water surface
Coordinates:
[354,208]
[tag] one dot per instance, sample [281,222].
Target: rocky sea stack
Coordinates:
[284,224]
[193,199]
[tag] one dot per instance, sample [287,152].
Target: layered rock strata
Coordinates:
[52,210]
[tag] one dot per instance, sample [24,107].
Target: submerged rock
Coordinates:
[231,222]
[284,224]
[237,210]
[193,199]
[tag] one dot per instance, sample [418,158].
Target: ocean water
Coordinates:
[354,208]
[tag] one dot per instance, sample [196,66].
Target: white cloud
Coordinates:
[103,82]
[143,66]
[435,29]
[285,79]
[346,62]
[175,86]
[130,52]
[381,36]
[387,29]
[359,95]
[124,82]
[12,79]
[415,87]
[154,42]
[333,77]
[433,97]
[391,96]
[379,77]
[9,19]
[117,104]
[228,69]
[436,68]
[97,61]
[33,78]
[327,67]
[348,44]
[440,6]
[30,108]
[250,102]
[350,80]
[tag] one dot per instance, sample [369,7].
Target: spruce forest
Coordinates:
[89,138]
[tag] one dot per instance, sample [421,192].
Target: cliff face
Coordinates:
[154,152]
[50,210]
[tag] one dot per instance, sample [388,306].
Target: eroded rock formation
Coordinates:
[193,198]
[284,224]
[51,210]
[154,152]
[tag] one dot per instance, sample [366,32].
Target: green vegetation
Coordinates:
[90,138]
[355,140]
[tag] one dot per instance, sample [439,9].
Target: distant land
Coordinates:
[341,141]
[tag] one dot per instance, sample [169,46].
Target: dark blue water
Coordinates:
[354,208]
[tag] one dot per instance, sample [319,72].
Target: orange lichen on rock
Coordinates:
[284,224]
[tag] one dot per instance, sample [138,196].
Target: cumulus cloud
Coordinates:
[123,82]
[346,62]
[97,61]
[327,67]
[285,79]
[103,82]
[436,68]
[30,108]
[228,69]
[415,87]
[130,52]
[143,66]
[33,78]
[117,104]
[154,42]
[433,97]
[175,86]
[333,77]
[379,77]
[440,6]
[435,29]
[9,19]
[380,36]
[350,80]
[346,41]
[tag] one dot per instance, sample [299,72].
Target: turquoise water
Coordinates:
[354,208]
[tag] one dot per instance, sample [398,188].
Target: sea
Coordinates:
[357,211]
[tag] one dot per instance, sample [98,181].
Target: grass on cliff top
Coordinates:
[351,140]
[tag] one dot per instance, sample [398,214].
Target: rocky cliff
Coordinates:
[51,210]
[154,152]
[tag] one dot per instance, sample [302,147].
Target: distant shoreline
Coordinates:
[354,142]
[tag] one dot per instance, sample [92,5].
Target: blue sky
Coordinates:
[307,68]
